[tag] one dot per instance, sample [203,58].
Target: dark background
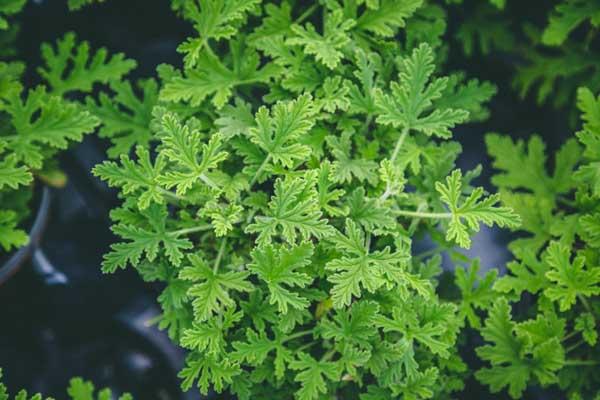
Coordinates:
[89,326]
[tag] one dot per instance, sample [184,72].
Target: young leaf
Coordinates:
[42,119]
[293,212]
[125,117]
[210,289]
[412,96]
[326,47]
[194,160]
[70,67]
[570,280]
[278,267]
[146,241]
[472,211]
[313,375]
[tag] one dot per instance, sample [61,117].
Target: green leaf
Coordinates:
[346,167]
[13,175]
[277,131]
[10,235]
[194,160]
[42,121]
[412,96]
[327,47]
[217,19]
[145,240]
[259,346]
[211,78]
[513,361]
[586,324]
[125,117]
[385,19]
[571,280]
[70,67]
[313,375]
[209,372]
[139,177]
[210,291]
[293,212]
[359,268]
[472,211]
[352,327]
[566,16]
[280,268]
[525,167]
[475,293]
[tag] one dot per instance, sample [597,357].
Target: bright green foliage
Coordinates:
[277,185]
[556,265]
[70,67]
[277,267]
[78,390]
[125,117]
[34,126]
[413,95]
[473,210]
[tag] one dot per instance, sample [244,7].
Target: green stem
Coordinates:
[397,147]
[569,336]
[399,143]
[585,303]
[307,13]
[194,229]
[220,255]
[575,346]
[171,195]
[419,214]
[304,347]
[297,335]
[328,355]
[581,362]
[209,182]
[260,170]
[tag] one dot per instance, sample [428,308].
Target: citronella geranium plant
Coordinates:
[556,272]
[78,390]
[36,123]
[277,186]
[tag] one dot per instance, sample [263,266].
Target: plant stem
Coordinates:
[328,355]
[260,170]
[585,303]
[574,346]
[399,143]
[307,13]
[220,255]
[297,335]
[419,214]
[170,194]
[194,229]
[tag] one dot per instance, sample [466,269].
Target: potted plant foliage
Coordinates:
[276,191]
[35,124]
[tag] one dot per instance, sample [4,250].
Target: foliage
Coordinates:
[277,184]
[37,123]
[78,390]
[555,273]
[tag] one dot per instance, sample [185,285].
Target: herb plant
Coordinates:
[78,390]
[555,277]
[278,183]
[36,123]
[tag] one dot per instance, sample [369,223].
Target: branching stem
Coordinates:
[220,255]
[194,229]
